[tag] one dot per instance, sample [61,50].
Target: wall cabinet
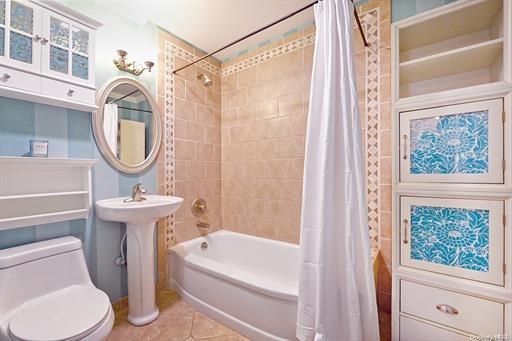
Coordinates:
[47,54]
[454,143]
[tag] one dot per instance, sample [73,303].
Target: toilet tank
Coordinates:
[37,269]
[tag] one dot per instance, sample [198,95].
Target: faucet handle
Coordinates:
[199,207]
[139,189]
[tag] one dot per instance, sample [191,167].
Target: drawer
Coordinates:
[470,314]
[414,330]
[68,91]
[20,80]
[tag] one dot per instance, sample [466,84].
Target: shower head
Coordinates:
[206,81]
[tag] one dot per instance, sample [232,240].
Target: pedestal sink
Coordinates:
[140,218]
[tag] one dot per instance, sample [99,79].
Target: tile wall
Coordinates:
[241,145]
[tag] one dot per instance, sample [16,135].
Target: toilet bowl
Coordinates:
[46,294]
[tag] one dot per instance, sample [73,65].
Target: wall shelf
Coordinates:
[469,58]
[457,46]
[35,191]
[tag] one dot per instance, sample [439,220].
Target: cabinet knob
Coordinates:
[6,76]
[37,37]
[44,40]
[70,92]
[447,309]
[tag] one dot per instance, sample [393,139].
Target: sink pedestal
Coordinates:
[141,274]
[140,218]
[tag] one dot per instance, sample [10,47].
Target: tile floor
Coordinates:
[180,322]
[177,322]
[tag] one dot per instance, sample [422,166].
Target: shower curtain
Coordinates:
[336,289]
[110,118]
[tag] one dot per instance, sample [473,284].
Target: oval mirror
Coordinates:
[127,125]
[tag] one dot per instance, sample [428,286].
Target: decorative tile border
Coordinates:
[371,22]
[269,54]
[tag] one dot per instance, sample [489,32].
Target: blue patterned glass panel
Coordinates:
[2,41]
[22,17]
[80,40]
[58,59]
[80,66]
[59,32]
[20,47]
[455,237]
[451,144]
[2,12]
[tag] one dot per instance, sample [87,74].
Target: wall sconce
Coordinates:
[123,64]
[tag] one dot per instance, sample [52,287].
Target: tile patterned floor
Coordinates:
[180,322]
[177,322]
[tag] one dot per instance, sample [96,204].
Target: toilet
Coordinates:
[46,294]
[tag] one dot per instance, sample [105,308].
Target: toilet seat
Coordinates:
[68,314]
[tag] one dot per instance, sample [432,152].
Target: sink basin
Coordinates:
[137,212]
[140,218]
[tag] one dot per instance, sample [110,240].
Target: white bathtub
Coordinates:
[247,283]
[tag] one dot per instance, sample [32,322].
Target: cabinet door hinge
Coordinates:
[503,164]
[504,220]
[504,268]
[503,116]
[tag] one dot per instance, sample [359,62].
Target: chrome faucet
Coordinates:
[137,193]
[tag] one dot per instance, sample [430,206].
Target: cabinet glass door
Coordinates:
[457,237]
[67,54]
[20,34]
[457,143]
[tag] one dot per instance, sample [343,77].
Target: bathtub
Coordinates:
[247,283]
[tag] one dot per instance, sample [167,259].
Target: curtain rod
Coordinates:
[270,25]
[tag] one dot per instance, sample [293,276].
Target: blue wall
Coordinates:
[401,9]
[70,135]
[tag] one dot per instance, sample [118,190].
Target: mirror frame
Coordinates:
[99,136]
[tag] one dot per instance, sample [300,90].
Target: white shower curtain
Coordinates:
[110,118]
[336,289]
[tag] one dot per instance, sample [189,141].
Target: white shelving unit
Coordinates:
[37,191]
[448,63]
[452,47]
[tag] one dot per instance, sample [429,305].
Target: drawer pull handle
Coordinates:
[6,76]
[447,309]
[405,147]
[406,238]
[70,92]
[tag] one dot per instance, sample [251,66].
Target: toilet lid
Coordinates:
[66,314]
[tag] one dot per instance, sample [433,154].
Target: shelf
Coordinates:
[42,195]
[469,58]
[40,219]
[35,191]
[448,22]
[17,160]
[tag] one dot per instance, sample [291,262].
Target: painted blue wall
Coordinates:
[69,134]
[401,9]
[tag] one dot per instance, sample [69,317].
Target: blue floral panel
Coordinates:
[22,17]
[80,40]
[59,32]
[451,144]
[80,66]
[455,237]
[2,42]
[20,47]
[58,59]
[2,12]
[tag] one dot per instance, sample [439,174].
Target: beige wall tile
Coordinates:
[195,92]
[291,62]
[278,127]
[195,132]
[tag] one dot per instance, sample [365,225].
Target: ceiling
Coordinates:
[211,24]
